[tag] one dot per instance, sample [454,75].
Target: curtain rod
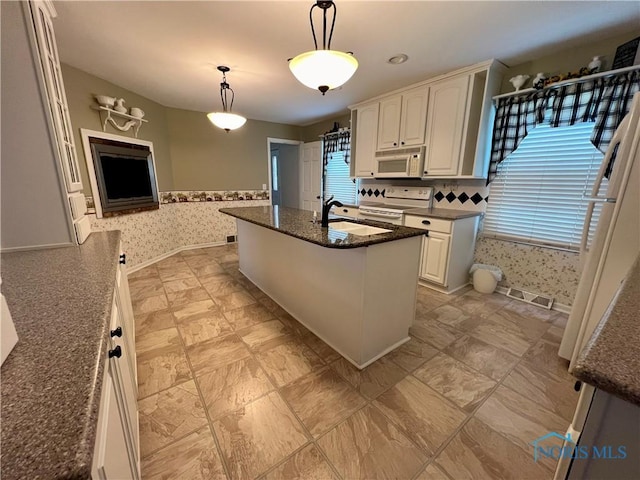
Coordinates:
[569,81]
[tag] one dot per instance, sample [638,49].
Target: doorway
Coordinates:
[284,172]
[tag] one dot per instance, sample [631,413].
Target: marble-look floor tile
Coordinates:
[146,272]
[543,356]
[561,320]
[434,333]
[167,337]
[150,322]
[324,351]
[519,419]
[183,297]
[258,436]
[478,304]
[192,252]
[247,316]
[555,394]
[294,325]
[272,306]
[170,274]
[214,353]
[532,311]
[432,472]
[212,268]
[173,260]
[322,399]
[460,384]
[448,314]
[502,334]
[368,446]
[233,300]
[145,287]
[412,354]
[181,284]
[149,304]
[199,260]
[530,328]
[479,453]
[160,369]
[288,361]
[307,464]
[221,284]
[372,380]
[427,417]
[554,335]
[199,321]
[487,359]
[169,415]
[193,457]
[233,386]
[264,335]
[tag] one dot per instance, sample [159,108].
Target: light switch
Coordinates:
[264,186]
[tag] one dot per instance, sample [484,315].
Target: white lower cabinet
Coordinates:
[447,250]
[117,449]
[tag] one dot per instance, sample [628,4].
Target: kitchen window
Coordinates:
[337,181]
[536,195]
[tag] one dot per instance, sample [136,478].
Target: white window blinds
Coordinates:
[337,181]
[536,196]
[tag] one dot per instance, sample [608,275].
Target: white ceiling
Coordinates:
[168,50]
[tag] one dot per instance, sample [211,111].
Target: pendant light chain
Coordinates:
[224,86]
[324,6]
[226,119]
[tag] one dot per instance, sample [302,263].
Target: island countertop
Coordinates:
[60,301]
[299,224]
[443,213]
[611,359]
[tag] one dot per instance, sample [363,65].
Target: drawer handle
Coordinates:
[345,210]
[123,258]
[116,352]
[426,222]
[117,332]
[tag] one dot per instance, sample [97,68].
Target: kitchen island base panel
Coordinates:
[360,301]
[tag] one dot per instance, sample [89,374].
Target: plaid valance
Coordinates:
[605,100]
[336,142]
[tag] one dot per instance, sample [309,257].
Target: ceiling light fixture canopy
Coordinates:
[324,69]
[225,119]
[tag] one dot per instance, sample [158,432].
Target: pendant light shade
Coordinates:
[323,69]
[225,119]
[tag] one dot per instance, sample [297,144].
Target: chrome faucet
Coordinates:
[326,208]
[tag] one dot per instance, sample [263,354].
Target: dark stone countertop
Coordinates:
[298,223]
[443,213]
[611,359]
[60,301]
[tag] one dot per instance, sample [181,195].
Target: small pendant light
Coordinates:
[225,119]
[323,69]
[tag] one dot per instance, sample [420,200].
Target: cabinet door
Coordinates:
[41,12]
[111,456]
[435,257]
[445,125]
[365,140]
[389,123]
[414,116]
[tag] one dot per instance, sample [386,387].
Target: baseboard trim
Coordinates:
[147,263]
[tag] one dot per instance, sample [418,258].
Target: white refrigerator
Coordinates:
[614,247]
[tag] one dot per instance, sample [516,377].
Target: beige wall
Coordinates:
[311,133]
[80,88]
[568,60]
[206,157]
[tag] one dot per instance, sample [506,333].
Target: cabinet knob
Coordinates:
[371,173]
[402,143]
[426,222]
[117,332]
[425,172]
[395,144]
[426,233]
[123,258]
[116,352]
[345,210]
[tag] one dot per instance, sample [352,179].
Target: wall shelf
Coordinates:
[108,115]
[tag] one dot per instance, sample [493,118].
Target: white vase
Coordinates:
[518,81]
[120,106]
[595,64]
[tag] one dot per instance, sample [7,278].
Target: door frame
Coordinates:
[271,140]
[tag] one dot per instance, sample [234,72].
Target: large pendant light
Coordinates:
[225,119]
[323,69]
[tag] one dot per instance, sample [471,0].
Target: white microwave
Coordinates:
[401,163]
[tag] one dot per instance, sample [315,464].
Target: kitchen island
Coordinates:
[355,292]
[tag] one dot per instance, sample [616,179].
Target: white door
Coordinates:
[366,136]
[435,255]
[389,122]
[311,176]
[445,123]
[414,116]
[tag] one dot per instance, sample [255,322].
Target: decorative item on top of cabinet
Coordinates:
[538,81]
[402,119]
[595,65]
[110,114]
[518,81]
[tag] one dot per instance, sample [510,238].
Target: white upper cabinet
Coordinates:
[402,119]
[445,125]
[364,123]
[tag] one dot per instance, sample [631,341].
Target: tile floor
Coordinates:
[231,386]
